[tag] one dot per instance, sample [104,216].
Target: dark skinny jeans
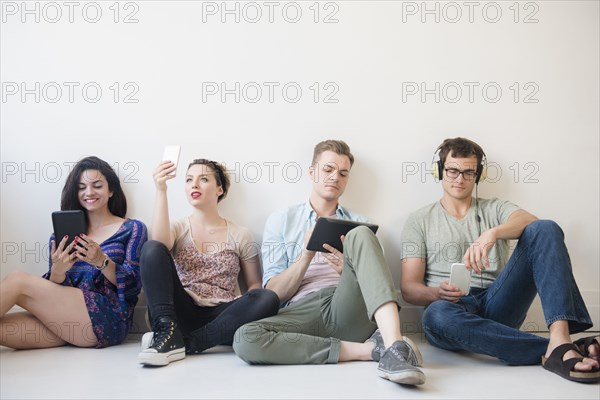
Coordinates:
[202,327]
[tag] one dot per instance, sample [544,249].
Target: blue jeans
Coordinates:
[487,321]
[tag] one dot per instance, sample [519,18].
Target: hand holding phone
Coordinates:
[171,153]
[460,277]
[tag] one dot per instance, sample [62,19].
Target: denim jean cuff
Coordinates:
[576,324]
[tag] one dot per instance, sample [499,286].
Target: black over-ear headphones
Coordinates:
[437,168]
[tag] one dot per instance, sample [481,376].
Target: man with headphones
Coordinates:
[473,231]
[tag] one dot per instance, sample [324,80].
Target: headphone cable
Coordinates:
[478,218]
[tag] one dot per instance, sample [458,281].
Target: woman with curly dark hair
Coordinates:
[89,293]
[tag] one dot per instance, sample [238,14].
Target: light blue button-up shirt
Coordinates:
[283,237]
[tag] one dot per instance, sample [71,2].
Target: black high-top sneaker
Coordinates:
[166,346]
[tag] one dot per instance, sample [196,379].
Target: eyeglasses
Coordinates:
[468,174]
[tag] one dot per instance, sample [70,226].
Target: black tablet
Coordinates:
[71,223]
[329,230]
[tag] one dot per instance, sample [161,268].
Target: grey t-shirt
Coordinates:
[432,233]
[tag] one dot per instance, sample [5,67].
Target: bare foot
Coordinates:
[593,350]
[587,364]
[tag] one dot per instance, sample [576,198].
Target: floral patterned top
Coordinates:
[211,277]
[111,307]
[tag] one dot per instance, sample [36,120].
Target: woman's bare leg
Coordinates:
[56,314]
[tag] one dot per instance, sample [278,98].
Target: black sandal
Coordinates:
[584,344]
[555,364]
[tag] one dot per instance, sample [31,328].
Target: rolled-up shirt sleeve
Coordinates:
[273,249]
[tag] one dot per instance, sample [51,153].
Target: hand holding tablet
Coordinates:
[329,230]
[70,223]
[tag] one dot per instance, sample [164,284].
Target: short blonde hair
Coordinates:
[337,146]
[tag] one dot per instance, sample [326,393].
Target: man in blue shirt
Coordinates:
[332,301]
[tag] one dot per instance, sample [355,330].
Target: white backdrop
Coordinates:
[257,84]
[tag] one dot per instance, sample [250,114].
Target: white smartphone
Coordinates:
[460,277]
[171,153]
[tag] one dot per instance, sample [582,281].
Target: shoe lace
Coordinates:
[162,334]
[378,347]
[397,353]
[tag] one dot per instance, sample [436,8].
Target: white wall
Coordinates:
[368,61]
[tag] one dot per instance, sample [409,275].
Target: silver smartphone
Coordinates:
[460,277]
[171,153]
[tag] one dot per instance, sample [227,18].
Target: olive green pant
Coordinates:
[309,331]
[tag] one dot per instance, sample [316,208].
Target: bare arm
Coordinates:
[286,283]
[251,270]
[160,229]
[61,260]
[514,225]
[476,258]
[414,289]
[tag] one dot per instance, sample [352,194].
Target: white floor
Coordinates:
[70,372]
